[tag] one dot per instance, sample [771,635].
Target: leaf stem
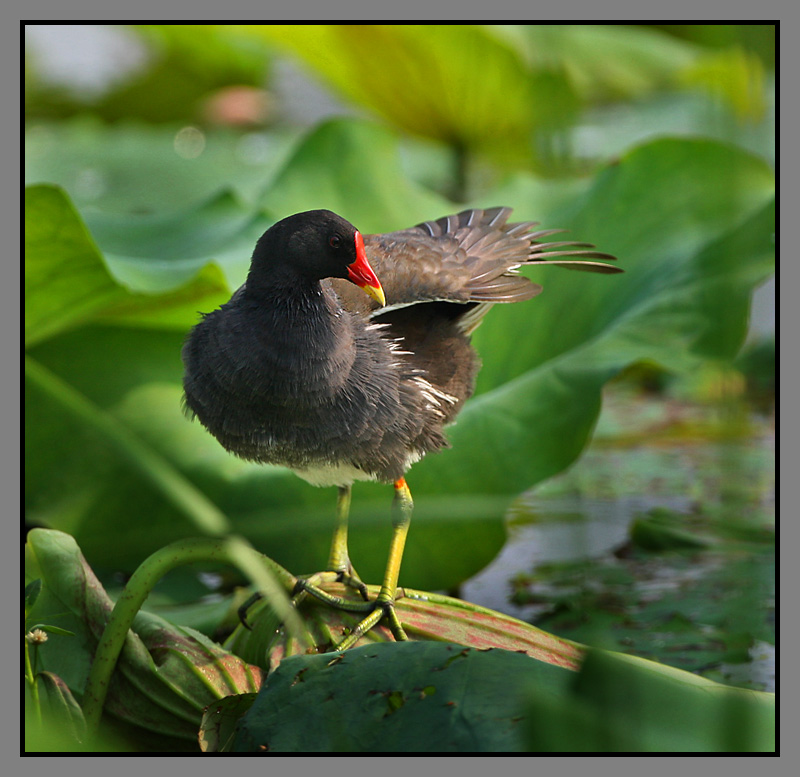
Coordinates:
[272,579]
[30,676]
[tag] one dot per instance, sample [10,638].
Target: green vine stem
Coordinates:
[270,578]
[30,677]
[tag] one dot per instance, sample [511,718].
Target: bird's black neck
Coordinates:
[302,321]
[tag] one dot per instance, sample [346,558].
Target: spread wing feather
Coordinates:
[472,256]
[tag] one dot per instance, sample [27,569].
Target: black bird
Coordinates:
[302,369]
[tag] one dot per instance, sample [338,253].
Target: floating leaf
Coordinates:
[406,697]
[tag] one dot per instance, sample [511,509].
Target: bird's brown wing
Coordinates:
[472,256]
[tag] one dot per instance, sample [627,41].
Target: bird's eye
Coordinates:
[334,241]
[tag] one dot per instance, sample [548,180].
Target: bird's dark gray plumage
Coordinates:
[301,368]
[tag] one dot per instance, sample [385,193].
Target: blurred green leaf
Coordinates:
[504,90]
[135,168]
[156,253]
[608,131]
[759,38]
[32,591]
[66,280]
[606,62]
[656,534]
[448,82]
[735,75]
[674,212]
[166,674]
[352,168]
[624,704]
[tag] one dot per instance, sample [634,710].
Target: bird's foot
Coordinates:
[339,564]
[244,608]
[352,580]
[311,586]
[382,609]
[374,611]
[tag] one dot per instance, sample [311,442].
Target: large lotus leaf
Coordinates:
[406,697]
[153,253]
[68,281]
[361,179]
[675,213]
[692,225]
[605,62]
[488,88]
[135,168]
[439,697]
[448,82]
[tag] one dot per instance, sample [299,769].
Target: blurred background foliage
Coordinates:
[157,154]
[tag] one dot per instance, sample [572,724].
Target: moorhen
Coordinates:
[300,368]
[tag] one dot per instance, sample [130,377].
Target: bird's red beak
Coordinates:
[360,273]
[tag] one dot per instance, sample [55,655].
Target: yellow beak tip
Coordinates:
[376,292]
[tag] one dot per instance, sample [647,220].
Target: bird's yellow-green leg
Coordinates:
[339,568]
[339,557]
[384,604]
